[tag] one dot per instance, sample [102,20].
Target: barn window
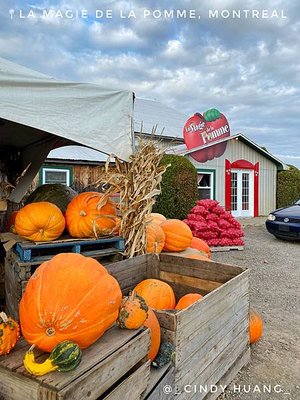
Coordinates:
[206,184]
[56,175]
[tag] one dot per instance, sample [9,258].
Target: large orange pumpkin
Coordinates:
[200,245]
[157,294]
[155,238]
[156,218]
[70,297]
[255,327]
[84,218]
[178,235]
[40,222]
[153,324]
[187,300]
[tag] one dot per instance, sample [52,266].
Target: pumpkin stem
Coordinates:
[82,213]
[3,316]
[31,348]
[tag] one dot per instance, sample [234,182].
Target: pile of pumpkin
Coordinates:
[88,214]
[174,236]
[71,300]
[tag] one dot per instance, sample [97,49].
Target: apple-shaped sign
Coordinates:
[201,130]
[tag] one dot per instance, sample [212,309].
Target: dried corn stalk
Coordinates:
[138,183]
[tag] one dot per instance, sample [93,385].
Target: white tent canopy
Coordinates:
[39,113]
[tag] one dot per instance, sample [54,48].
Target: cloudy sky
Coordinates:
[245,62]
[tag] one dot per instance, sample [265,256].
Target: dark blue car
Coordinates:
[284,223]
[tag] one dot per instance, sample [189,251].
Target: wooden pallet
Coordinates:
[226,248]
[111,367]
[30,251]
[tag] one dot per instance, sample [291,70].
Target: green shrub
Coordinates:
[288,187]
[179,191]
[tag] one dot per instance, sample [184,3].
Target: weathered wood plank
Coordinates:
[203,284]
[159,378]
[216,345]
[131,270]
[202,269]
[228,377]
[222,363]
[17,387]
[107,346]
[124,265]
[153,266]
[97,380]
[168,336]
[131,281]
[223,296]
[226,248]
[212,331]
[133,386]
[180,290]
[167,319]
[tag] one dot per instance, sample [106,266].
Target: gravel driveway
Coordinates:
[275,293]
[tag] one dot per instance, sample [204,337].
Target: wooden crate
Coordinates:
[113,365]
[17,274]
[210,336]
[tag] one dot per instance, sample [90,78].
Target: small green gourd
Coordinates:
[65,356]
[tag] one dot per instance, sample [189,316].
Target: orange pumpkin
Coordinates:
[11,222]
[9,333]
[153,324]
[157,294]
[40,222]
[155,238]
[133,312]
[156,218]
[70,297]
[255,327]
[200,245]
[187,300]
[178,235]
[84,217]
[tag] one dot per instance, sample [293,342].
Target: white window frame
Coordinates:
[211,187]
[47,169]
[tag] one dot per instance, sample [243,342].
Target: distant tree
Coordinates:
[292,167]
[288,187]
[179,191]
[265,149]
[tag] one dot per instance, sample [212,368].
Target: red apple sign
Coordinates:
[203,130]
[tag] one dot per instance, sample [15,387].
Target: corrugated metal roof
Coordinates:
[77,153]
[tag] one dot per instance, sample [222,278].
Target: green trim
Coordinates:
[213,171]
[64,167]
